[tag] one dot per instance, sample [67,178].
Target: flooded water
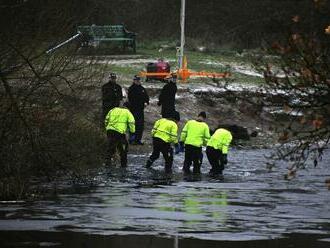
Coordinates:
[136,207]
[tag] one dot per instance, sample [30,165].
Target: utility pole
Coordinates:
[182,19]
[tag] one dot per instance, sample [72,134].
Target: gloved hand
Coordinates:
[132,137]
[181,146]
[176,148]
[224,159]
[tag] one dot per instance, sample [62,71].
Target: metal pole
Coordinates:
[183,8]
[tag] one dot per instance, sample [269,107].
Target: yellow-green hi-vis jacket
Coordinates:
[165,129]
[220,140]
[120,119]
[195,133]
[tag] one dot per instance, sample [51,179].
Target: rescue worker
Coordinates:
[217,150]
[164,133]
[194,135]
[117,122]
[137,99]
[167,97]
[111,94]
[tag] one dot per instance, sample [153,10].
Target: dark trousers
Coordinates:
[139,124]
[215,158]
[193,154]
[160,146]
[117,142]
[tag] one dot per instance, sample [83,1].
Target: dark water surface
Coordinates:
[135,207]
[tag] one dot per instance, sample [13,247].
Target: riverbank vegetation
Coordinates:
[302,70]
[44,134]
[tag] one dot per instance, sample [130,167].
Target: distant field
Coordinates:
[240,64]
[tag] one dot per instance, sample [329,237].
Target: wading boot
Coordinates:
[149,163]
[186,169]
[168,169]
[197,169]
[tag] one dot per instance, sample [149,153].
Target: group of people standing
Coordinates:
[129,116]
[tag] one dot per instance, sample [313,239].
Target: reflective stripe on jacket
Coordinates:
[220,140]
[119,119]
[165,129]
[195,133]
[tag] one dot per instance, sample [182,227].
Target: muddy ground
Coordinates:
[223,107]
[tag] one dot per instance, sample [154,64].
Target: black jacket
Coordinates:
[167,97]
[111,96]
[137,97]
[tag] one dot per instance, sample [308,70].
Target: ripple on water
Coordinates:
[248,203]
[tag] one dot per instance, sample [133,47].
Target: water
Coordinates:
[135,207]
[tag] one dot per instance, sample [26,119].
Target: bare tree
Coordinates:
[44,130]
[301,73]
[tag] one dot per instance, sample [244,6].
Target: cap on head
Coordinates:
[202,114]
[167,77]
[137,78]
[174,76]
[112,75]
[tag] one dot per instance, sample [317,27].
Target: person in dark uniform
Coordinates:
[111,94]
[137,99]
[167,97]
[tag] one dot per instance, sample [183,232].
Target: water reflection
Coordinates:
[200,207]
[249,203]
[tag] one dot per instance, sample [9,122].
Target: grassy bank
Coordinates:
[239,63]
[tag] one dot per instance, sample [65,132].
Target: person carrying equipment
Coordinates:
[194,135]
[217,150]
[117,121]
[164,133]
[111,94]
[137,99]
[167,97]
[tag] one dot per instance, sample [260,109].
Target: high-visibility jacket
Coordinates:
[165,129]
[220,140]
[195,133]
[119,119]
